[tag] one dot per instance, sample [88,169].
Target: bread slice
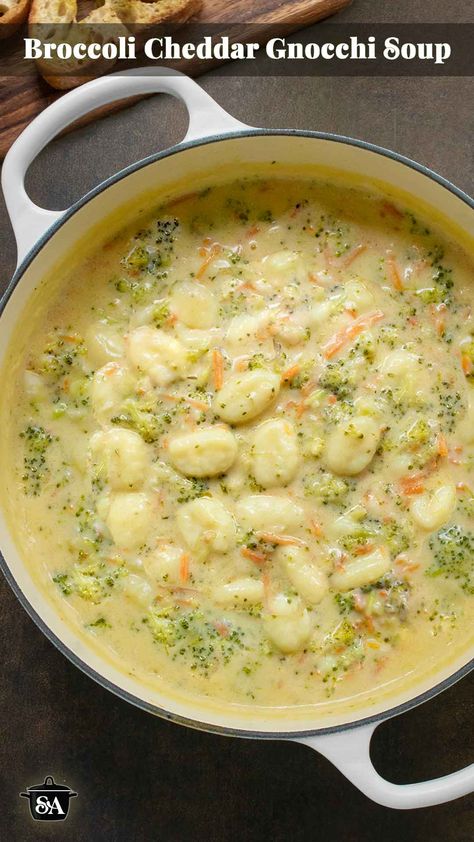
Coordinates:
[12,14]
[60,73]
[129,16]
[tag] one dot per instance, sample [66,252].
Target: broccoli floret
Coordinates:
[91,583]
[36,441]
[440,292]
[345,602]
[161,313]
[336,380]
[203,642]
[139,258]
[193,488]
[453,556]
[467,354]
[60,355]
[326,488]
[141,419]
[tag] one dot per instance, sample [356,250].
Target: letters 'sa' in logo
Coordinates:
[49,802]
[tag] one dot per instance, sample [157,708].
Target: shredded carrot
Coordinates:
[393,272]
[365,549]
[300,408]
[373,644]
[71,337]
[283,540]
[331,400]
[172,319]
[209,253]
[290,373]
[438,312]
[466,363]
[241,364]
[217,369]
[253,555]
[315,528]
[412,485]
[110,369]
[204,407]
[344,336]
[221,628]
[354,254]
[254,229]
[442,446]
[266,587]
[391,210]
[184,567]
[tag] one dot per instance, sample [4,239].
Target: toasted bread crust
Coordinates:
[15,15]
[134,13]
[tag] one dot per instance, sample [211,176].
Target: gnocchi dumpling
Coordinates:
[433,509]
[245,396]
[204,453]
[206,526]
[268,513]
[274,453]
[287,623]
[194,305]
[122,455]
[362,571]
[352,445]
[164,564]
[304,574]
[104,344]
[159,355]
[248,334]
[129,518]
[111,384]
[245,591]
[282,266]
[405,373]
[138,589]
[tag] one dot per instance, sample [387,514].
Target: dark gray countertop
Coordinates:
[140,778]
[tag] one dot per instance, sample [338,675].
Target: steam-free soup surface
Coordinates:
[244,441]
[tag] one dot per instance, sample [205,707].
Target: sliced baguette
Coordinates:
[60,73]
[12,14]
[128,16]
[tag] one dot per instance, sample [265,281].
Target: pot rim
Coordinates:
[88,670]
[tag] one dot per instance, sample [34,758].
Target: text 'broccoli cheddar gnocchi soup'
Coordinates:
[243,444]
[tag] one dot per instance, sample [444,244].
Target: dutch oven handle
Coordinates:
[206,118]
[349,751]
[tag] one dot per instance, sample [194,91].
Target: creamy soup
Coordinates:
[243,444]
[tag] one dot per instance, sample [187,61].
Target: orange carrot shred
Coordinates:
[283,540]
[354,254]
[217,369]
[202,405]
[184,567]
[466,363]
[315,528]
[254,555]
[394,274]
[442,446]
[412,485]
[391,210]
[364,549]
[344,336]
[208,252]
[290,373]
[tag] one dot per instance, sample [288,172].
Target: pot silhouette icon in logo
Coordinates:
[49,802]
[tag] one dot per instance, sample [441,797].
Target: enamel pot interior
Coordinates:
[182,170]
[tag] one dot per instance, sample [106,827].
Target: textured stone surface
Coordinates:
[140,778]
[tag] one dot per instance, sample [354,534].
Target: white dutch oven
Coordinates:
[213,139]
